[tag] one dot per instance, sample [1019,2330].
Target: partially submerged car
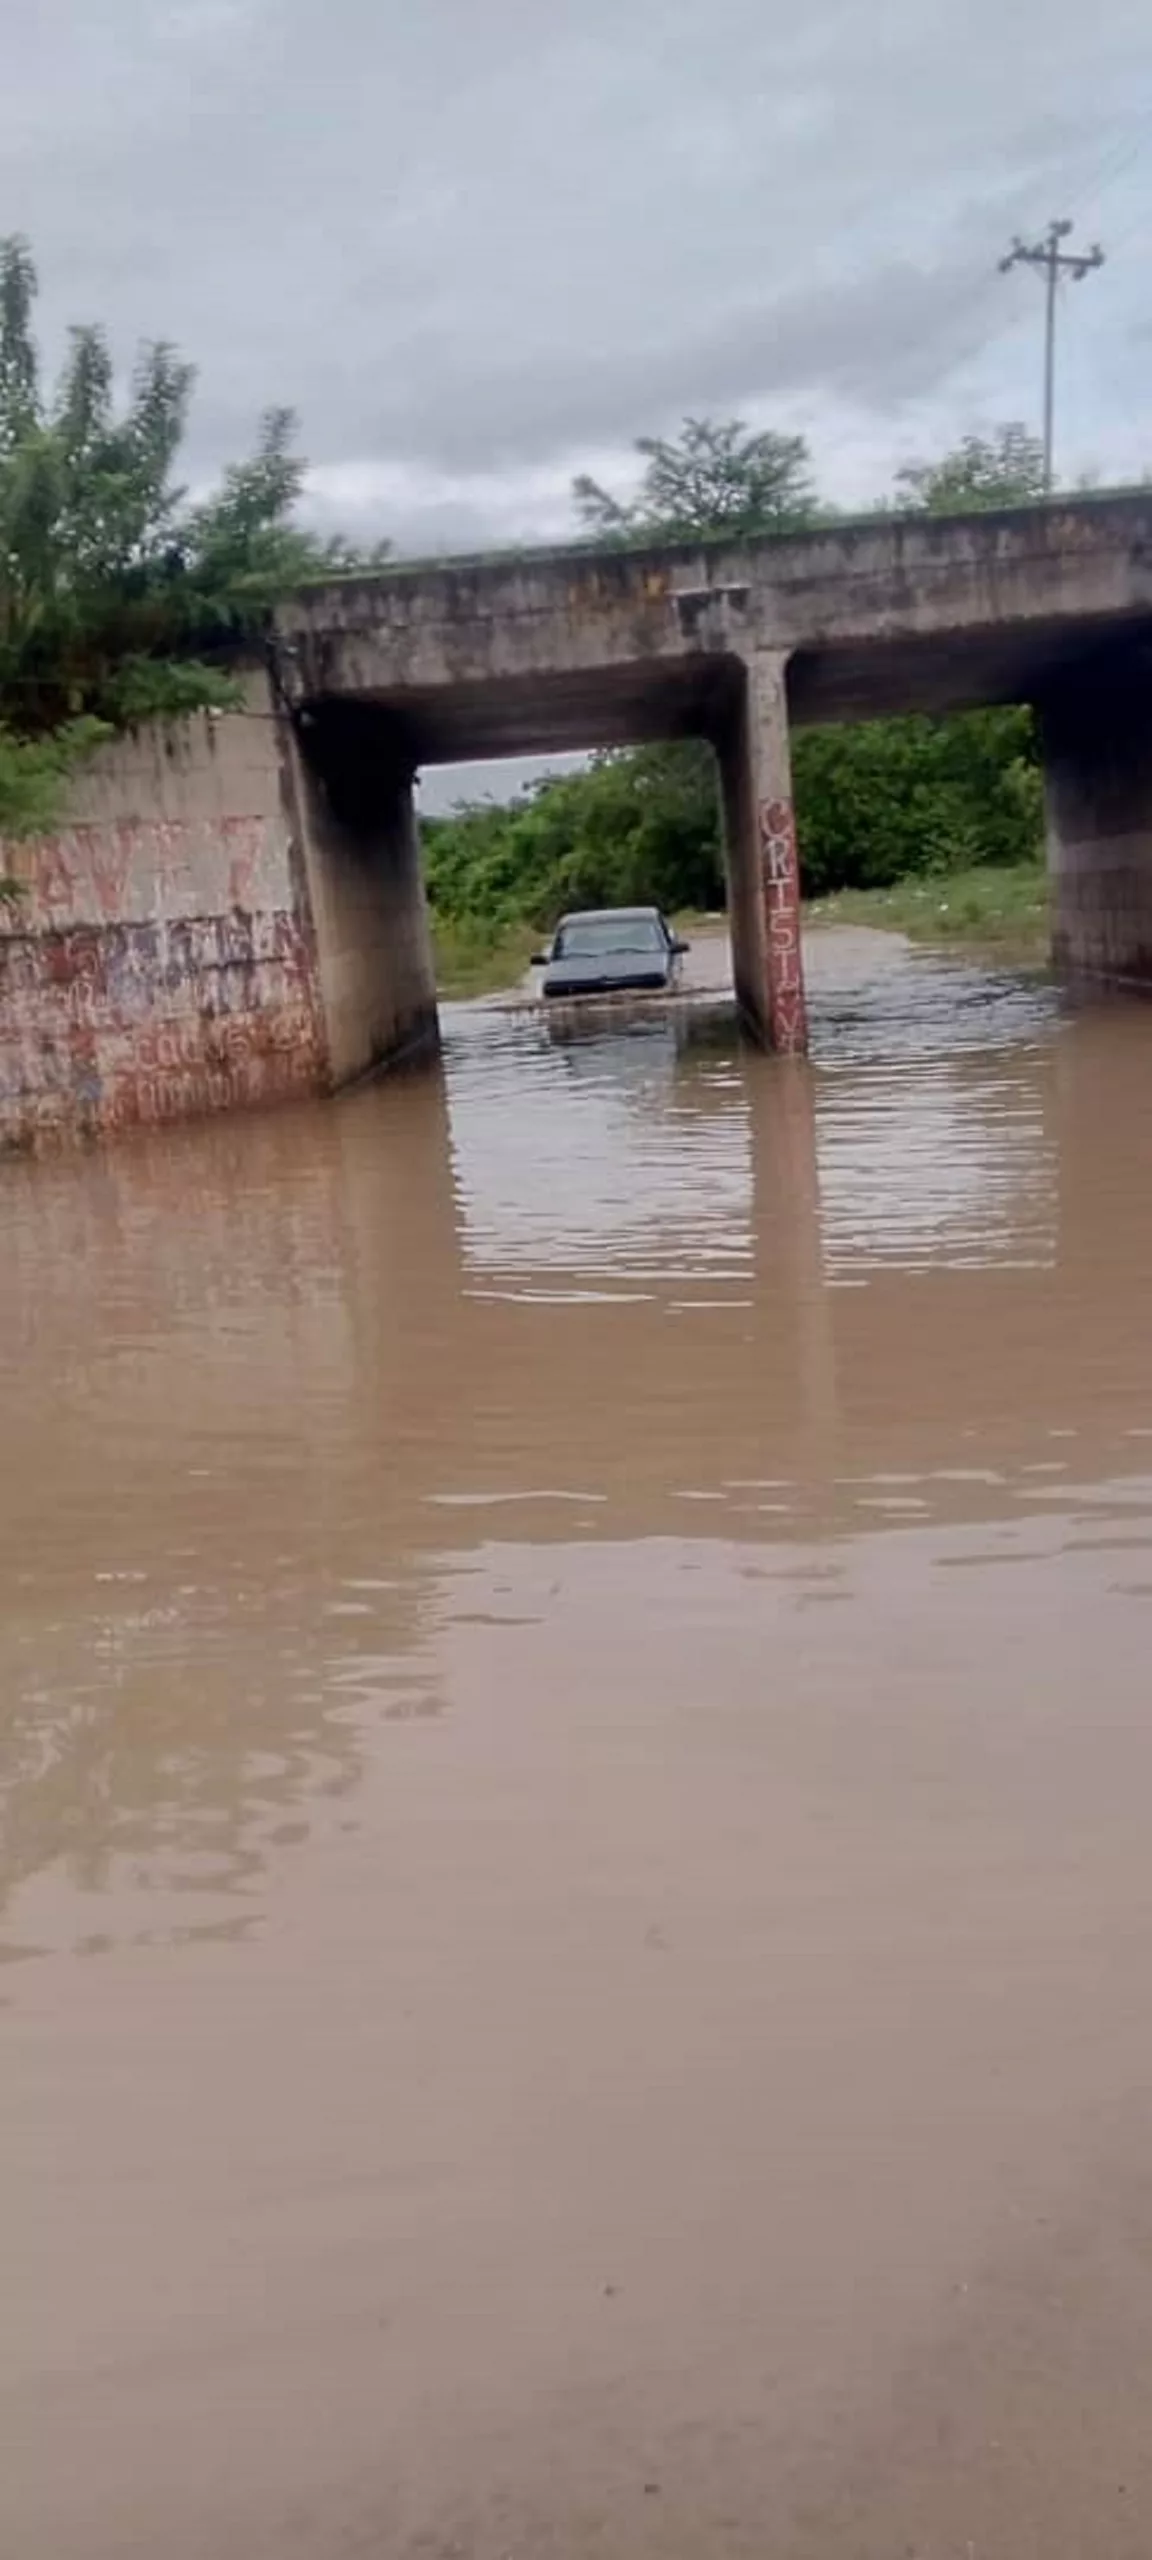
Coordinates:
[605,950]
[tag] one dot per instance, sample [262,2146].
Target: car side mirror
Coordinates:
[540,959]
[680,948]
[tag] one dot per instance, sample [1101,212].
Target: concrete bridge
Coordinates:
[1045,605]
[234,911]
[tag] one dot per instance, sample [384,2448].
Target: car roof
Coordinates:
[594,915]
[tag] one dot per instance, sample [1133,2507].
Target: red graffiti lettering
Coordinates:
[780,879]
[52,876]
[789,1032]
[777,830]
[244,841]
[776,819]
[230,1039]
[109,857]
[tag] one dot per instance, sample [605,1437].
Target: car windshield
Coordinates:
[590,937]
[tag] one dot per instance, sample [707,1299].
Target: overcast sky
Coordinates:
[480,244]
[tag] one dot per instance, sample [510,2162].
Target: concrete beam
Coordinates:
[556,649]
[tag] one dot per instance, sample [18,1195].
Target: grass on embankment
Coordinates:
[475,960]
[986,909]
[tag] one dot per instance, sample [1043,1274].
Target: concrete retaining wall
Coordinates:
[158,962]
[164,958]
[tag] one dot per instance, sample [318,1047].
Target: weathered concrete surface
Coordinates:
[567,649]
[763,867]
[159,963]
[203,934]
[1098,788]
[365,891]
[574,649]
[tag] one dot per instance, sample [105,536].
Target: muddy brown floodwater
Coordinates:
[576,1737]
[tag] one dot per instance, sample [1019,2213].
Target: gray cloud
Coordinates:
[475,240]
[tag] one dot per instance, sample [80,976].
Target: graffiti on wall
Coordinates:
[102,1028]
[153,967]
[141,870]
[780,887]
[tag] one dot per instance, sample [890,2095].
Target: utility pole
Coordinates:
[1052,262]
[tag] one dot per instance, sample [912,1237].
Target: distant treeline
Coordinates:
[873,805]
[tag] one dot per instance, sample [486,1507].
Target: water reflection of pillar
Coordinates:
[792,1332]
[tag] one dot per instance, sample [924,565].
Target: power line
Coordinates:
[1138,223]
[1132,142]
[1052,262]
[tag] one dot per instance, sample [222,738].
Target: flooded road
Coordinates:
[576,1743]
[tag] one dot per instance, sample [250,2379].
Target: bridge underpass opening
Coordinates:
[541,653]
[358,762]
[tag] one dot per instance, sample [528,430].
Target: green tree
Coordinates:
[634,826]
[18,365]
[119,599]
[716,477]
[1002,469]
[892,798]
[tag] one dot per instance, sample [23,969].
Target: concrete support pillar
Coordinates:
[365,889]
[763,870]
[1097,733]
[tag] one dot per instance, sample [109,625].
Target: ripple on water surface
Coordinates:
[574,1737]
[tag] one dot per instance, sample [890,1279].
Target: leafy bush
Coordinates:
[894,798]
